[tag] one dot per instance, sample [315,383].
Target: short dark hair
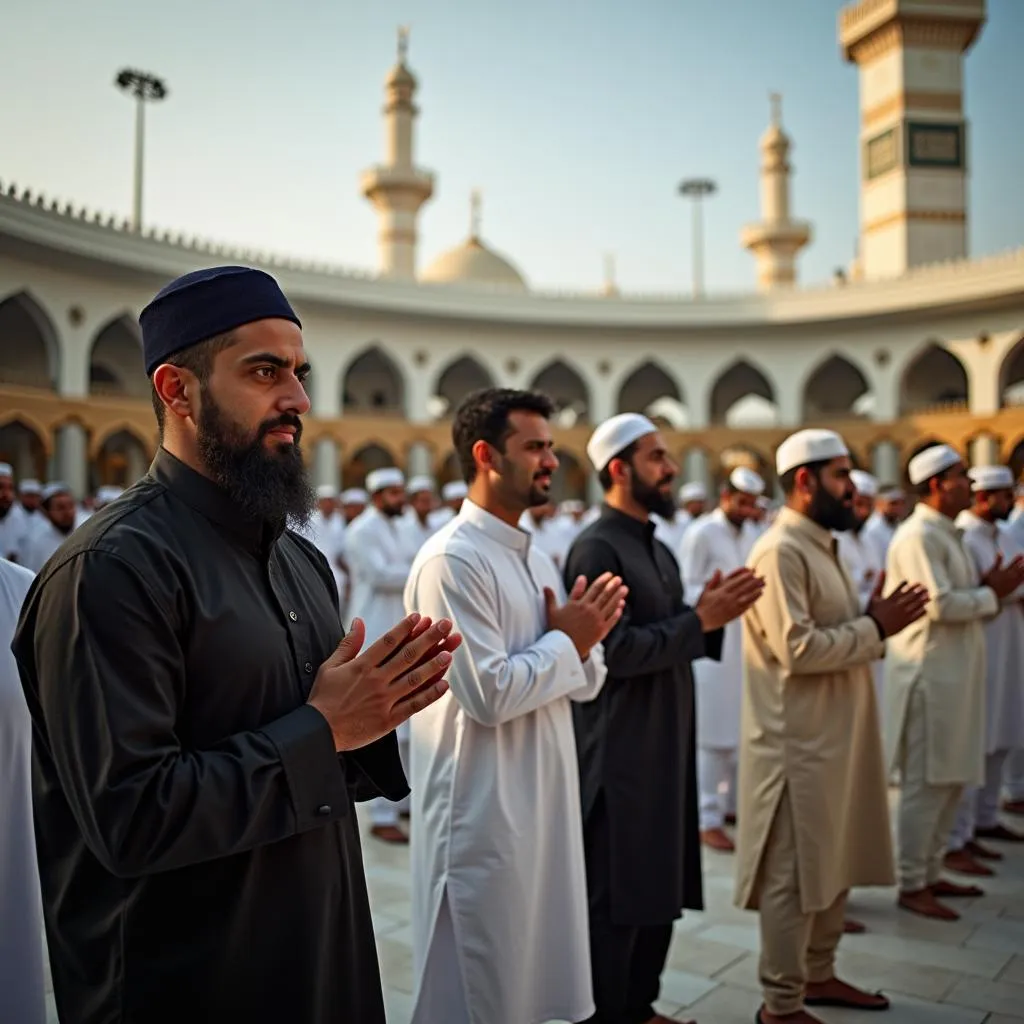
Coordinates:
[788,479]
[484,415]
[604,475]
[199,360]
[924,488]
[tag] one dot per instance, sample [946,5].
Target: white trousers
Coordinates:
[979,806]
[384,811]
[716,777]
[1013,776]
[441,995]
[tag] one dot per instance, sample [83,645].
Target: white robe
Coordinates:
[40,545]
[878,532]
[327,533]
[1004,638]
[22,986]
[671,532]
[553,536]
[415,533]
[379,561]
[13,528]
[498,839]
[864,564]
[713,544]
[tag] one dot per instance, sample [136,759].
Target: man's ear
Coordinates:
[178,389]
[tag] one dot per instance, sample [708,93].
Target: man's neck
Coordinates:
[936,506]
[486,499]
[627,505]
[186,453]
[986,517]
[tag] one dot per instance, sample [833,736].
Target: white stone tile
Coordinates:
[398,1006]
[995,996]
[980,962]
[1002,935]
[878,973]
[726,1005]
[905,1011]
[1001,1018]
[679,988]
[695,954]
[1014,971]
[747,937]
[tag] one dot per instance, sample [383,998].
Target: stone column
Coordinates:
[984,451]
[136,464]
[696,469]
[595,495]
[419,461]
[885,463]
[326,471]
[71,458]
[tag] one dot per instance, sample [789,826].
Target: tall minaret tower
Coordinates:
[776,241]
[913,145]
[397,188]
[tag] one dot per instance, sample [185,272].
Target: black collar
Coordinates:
[212,501]
[641,529]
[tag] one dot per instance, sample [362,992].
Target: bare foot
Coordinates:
[951,890]
[963,863]
[716,839]
[838,993]
[389,834]
[979,850]
[923,902]
[800,1017]
[851,927]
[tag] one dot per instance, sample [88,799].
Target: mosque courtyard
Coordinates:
[965,972]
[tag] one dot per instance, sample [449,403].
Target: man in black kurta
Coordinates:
[636,741]
[196,829]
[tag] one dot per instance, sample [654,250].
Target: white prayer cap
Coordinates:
[5,469]
[354,496]
[108,493]
[325,491]
[419,484]
[747,481]
[991,478]
[807,446]
[52,490]
[865,483]
[891,494]
[455,491]
[381,478]
[764,502]
[616,434]
[571,507]
[30,487]
[693,491]
[931,462]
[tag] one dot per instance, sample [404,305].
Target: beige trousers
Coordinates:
[796,947]
[927,812]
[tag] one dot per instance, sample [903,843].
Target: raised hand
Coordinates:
[365,696]
[906,604]
[589,614]
[728,598]
[1005,579]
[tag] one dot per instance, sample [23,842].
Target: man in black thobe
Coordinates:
[199,734]
[636,741]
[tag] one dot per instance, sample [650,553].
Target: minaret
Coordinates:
[776,240]
[913,145]
[610,288]
[397,188]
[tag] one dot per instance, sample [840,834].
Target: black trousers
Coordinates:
[626,961]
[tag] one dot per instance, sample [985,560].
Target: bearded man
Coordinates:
[636,739]
[199,733]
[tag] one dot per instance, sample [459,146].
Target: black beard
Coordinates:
[650,498]
[830,513]
[267,486]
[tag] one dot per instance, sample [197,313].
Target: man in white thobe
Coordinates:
[22,986]
[58,513]
[13,521]
[693,498]
[453,494]
[890,511]
[550,534]
[978,814]
[499,896]
[325,529]
[861,557]
[718,543]
[378,559]
[417,525]
[934,721]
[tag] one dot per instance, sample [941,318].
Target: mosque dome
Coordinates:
[472,262]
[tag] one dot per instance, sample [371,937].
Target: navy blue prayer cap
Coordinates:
[206,303]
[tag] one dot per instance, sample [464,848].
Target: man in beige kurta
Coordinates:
[813,818]
[935,678]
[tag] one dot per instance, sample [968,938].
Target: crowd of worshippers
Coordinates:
[568,706]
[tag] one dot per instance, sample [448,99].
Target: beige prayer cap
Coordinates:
[991,478]
[807,446]
[615,435]
[747,481]
[455,490]
[381,478]
[693,491]
[865,483]
[931,462]
[421,485]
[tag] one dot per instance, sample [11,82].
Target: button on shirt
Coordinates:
[197,843]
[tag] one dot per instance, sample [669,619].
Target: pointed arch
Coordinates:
[23,446]
[567,389]
[451,469]
[459,378]
[742,395]
[741,454]
[372,455]
[933,377]
[116,365]
[1011,375]
[1015,460]
[29,345]
[650,389]
[122,458]
[836,387]
[570,479]
[373,383]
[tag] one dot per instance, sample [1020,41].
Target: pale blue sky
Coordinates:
[577,119]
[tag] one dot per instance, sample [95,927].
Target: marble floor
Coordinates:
[967,972]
